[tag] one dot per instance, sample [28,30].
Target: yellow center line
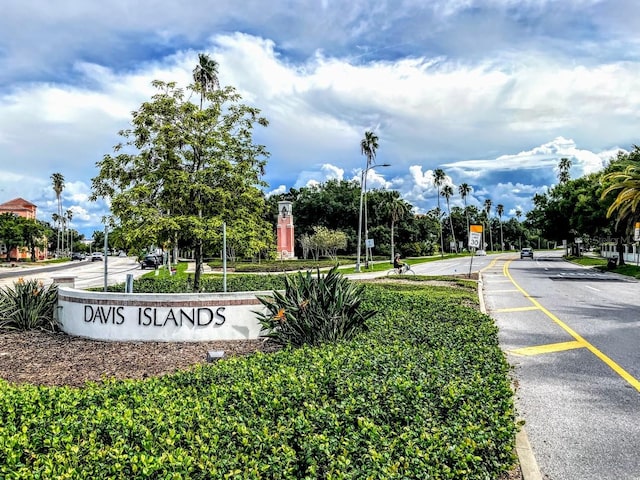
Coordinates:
[491,264]
[515,309]
[613,365]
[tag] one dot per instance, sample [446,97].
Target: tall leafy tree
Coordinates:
[194,169]
[57,180]
[34,234]
[499,212]
[447,193]
[10,232]
[464,189]
[438,180]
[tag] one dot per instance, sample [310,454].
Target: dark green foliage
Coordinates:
[423,394]
[28,305]
[288,265]
[314,310]
[208,284]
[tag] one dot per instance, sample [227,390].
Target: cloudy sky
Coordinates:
[495,92]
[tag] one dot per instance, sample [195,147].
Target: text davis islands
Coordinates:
[154,317]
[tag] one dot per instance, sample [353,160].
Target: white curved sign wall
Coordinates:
[159,317]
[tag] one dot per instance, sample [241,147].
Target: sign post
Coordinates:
[636,238]
[475,237]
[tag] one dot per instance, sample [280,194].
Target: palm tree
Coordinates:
[447,193]
[563,170]
[518,215]
[438,179]
[205,74]
[464,190]
[628,199]
[500,211]
[487,208]
[396,208]
[368,148]
[58,187]
[69,215]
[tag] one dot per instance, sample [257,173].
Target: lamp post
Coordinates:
[363,195]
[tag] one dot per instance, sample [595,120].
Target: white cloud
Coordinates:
[479,107]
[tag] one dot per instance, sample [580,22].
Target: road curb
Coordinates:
[528,463]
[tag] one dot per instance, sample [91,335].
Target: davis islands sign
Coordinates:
[159,317]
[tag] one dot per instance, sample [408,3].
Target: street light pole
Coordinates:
[360,221]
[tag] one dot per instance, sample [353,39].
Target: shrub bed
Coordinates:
[424,393]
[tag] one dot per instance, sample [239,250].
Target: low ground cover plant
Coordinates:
[424,393]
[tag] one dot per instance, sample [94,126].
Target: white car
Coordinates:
[97,256]
[481,253]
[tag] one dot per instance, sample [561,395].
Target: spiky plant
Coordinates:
[28,305]
[314,310]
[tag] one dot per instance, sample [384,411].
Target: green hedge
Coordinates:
[208,284]
[423,394]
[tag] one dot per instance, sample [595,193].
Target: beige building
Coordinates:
[25,209]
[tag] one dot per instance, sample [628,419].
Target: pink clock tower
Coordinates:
[285,231]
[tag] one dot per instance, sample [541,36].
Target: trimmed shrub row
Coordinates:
[423,394]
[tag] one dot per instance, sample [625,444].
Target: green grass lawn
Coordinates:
[383,265]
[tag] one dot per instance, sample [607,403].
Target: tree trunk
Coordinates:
[620,251]
[392,244]
[198,274]
[453,235]
[490,237]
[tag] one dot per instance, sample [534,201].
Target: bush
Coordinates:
[28,305]
[286,265]
[314,310]
[423,394]
[208,284]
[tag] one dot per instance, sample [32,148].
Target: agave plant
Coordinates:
[314,310]
[28,305]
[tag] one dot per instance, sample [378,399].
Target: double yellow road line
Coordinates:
[579,341]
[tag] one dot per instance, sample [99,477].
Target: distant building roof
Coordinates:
[17,203]
[19,206]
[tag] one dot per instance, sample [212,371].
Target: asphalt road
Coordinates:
[451,266]
[573,337]
[87,273]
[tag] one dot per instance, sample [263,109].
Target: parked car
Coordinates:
[526,252]
[78,256]
[97,257]
[151,261]
[480,253]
